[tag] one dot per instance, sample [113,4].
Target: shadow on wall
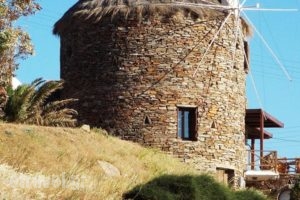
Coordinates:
[188,187]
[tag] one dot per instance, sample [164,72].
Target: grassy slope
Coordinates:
[45,152]
[74,152]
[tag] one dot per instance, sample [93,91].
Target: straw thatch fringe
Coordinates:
[95,10]
[246,28]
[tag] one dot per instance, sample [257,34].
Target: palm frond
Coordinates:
[63,117]
[42,93]
[37,82]
[18,102]
[28,104]
[56,105]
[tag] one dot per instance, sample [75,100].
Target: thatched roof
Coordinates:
[95,10]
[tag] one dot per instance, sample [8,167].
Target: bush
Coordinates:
[295,192]
[249,195]
[188,187]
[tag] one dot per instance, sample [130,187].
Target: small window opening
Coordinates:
[147,120]
[213,124]
[187,123]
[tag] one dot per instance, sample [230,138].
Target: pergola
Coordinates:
[256,120]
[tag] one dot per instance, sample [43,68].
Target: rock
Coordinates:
[86,128]
[109,169]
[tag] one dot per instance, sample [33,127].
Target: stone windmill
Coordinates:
[139,70]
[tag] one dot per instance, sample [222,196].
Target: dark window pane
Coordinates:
[186,125]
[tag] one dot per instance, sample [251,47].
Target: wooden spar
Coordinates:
[252,153]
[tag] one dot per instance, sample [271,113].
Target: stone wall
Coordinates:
[131,77]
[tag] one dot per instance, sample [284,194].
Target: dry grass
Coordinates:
[96,10]
[29,151]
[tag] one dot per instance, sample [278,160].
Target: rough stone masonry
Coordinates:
[132,77]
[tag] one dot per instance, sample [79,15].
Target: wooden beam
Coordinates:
[252,154]
[261,128]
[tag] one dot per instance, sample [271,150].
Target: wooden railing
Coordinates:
[270,161]
[267,162]
[289,165]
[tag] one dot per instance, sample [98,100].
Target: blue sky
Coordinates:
[278,96]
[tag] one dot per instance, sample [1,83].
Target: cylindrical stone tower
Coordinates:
[161,75]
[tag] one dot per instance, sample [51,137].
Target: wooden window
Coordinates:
[187,123]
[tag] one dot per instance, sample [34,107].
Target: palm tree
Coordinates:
[30,104]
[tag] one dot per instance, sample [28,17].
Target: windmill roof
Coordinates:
[95,10]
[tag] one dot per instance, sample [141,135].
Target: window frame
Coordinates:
[191,120]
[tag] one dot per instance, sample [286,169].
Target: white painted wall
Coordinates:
[15,83]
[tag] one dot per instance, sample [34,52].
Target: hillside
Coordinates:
[64,163]
[69,159]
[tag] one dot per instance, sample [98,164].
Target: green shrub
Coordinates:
[188,187]
[295,192]
[171,187]
[249,195]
